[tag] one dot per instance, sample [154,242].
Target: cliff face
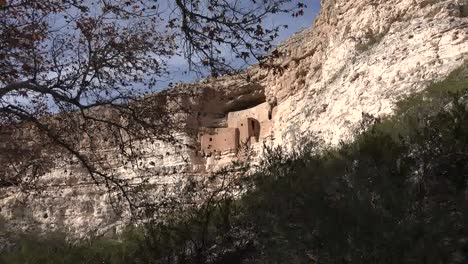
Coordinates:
[358,57]
[362,56]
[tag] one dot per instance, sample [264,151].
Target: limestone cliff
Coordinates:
[362,56]
[358,57]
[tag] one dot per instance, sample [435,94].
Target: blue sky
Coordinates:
[178,67]
[296,24]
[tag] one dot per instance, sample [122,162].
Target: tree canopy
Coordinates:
[70,68]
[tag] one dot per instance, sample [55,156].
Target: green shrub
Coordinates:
[53,248]
[397,194]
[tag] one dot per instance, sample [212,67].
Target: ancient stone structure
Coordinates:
[244,128]
[219,140]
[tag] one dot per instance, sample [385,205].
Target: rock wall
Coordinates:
[358,57]
[362,56]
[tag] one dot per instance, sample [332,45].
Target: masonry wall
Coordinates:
[248,128]
[219,140]
[227,139]
[244,127]
[261,112]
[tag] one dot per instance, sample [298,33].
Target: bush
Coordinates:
[53,248]
[397,194]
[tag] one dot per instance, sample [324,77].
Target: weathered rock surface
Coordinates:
[359,57]
[362,56]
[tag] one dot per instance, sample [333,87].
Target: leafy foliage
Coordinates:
[90,64]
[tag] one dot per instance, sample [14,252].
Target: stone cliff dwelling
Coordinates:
[244,128]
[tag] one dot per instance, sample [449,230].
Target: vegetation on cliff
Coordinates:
[397,194]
